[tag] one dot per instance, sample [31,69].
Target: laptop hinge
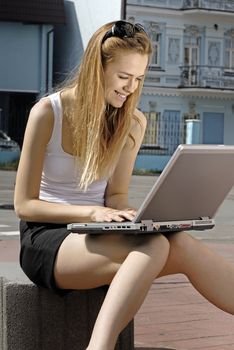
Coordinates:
[148,224]
[205,218]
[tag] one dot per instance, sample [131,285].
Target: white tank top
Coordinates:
[59,181]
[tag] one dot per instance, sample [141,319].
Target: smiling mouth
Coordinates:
[121,96]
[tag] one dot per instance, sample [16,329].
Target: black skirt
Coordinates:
[39,246]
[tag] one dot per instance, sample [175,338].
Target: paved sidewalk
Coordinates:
[174,315]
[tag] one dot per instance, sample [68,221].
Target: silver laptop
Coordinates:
[186,196]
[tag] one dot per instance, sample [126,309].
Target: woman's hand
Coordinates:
[105,214]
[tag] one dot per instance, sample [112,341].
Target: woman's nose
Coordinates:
[131,86]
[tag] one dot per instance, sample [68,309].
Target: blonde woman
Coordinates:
[77,159]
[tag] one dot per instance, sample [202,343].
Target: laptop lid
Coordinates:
[193,185]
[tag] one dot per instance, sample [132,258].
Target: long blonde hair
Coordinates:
[100,130]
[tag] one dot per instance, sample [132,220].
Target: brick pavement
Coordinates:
[174,315]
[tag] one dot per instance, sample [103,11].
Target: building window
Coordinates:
[155,32]
[192,41]
[229,53]
[156,39]
[191,51]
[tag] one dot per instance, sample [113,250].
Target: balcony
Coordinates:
[170,4]
[212,77]
[216,5]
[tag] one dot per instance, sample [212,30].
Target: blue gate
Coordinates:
[170,130]
[213,128]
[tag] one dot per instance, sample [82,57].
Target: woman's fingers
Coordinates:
[108,215]
[122,215]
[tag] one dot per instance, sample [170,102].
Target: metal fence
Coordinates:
[164,133]
[217,5]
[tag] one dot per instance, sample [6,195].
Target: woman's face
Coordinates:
[122,77]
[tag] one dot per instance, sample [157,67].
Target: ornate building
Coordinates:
[190,83]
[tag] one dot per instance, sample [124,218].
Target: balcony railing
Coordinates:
[207,77]
[218,5]
[174,4]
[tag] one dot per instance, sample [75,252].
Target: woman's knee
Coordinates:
[180,240]
[160,243]
[156,247]
[182,245]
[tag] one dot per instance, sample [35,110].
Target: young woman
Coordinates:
[77,159]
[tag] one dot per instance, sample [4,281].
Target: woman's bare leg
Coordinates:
[131,264]
[209,272]
[128,264]
[127,292]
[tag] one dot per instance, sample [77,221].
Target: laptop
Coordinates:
[186,195]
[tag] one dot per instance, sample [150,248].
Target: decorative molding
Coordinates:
[191,93]
[131,19]
[154,27]
[173,51]
[192,107]
[229,32]
[193,30]
[152,106]
[214,53]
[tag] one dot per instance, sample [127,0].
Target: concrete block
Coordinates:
[1,316]
[34,318]
[20,316]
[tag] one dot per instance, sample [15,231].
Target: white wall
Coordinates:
[92,14]
[83,18]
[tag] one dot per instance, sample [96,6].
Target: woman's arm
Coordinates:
[28,206]
[117,189]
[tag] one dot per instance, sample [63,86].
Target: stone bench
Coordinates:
[34,318]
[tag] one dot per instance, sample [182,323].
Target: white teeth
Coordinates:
[120,95]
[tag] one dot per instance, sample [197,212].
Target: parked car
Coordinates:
[9,149]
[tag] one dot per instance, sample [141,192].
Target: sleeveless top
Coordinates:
[59,182]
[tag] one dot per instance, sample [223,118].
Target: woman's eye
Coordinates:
[122,77]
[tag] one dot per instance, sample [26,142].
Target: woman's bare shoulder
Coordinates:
[138,126]
[139,120]
[40,121]
[139,115]
[42,110]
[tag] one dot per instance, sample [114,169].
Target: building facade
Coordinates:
[41,44]
[188,95]
[26,58]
